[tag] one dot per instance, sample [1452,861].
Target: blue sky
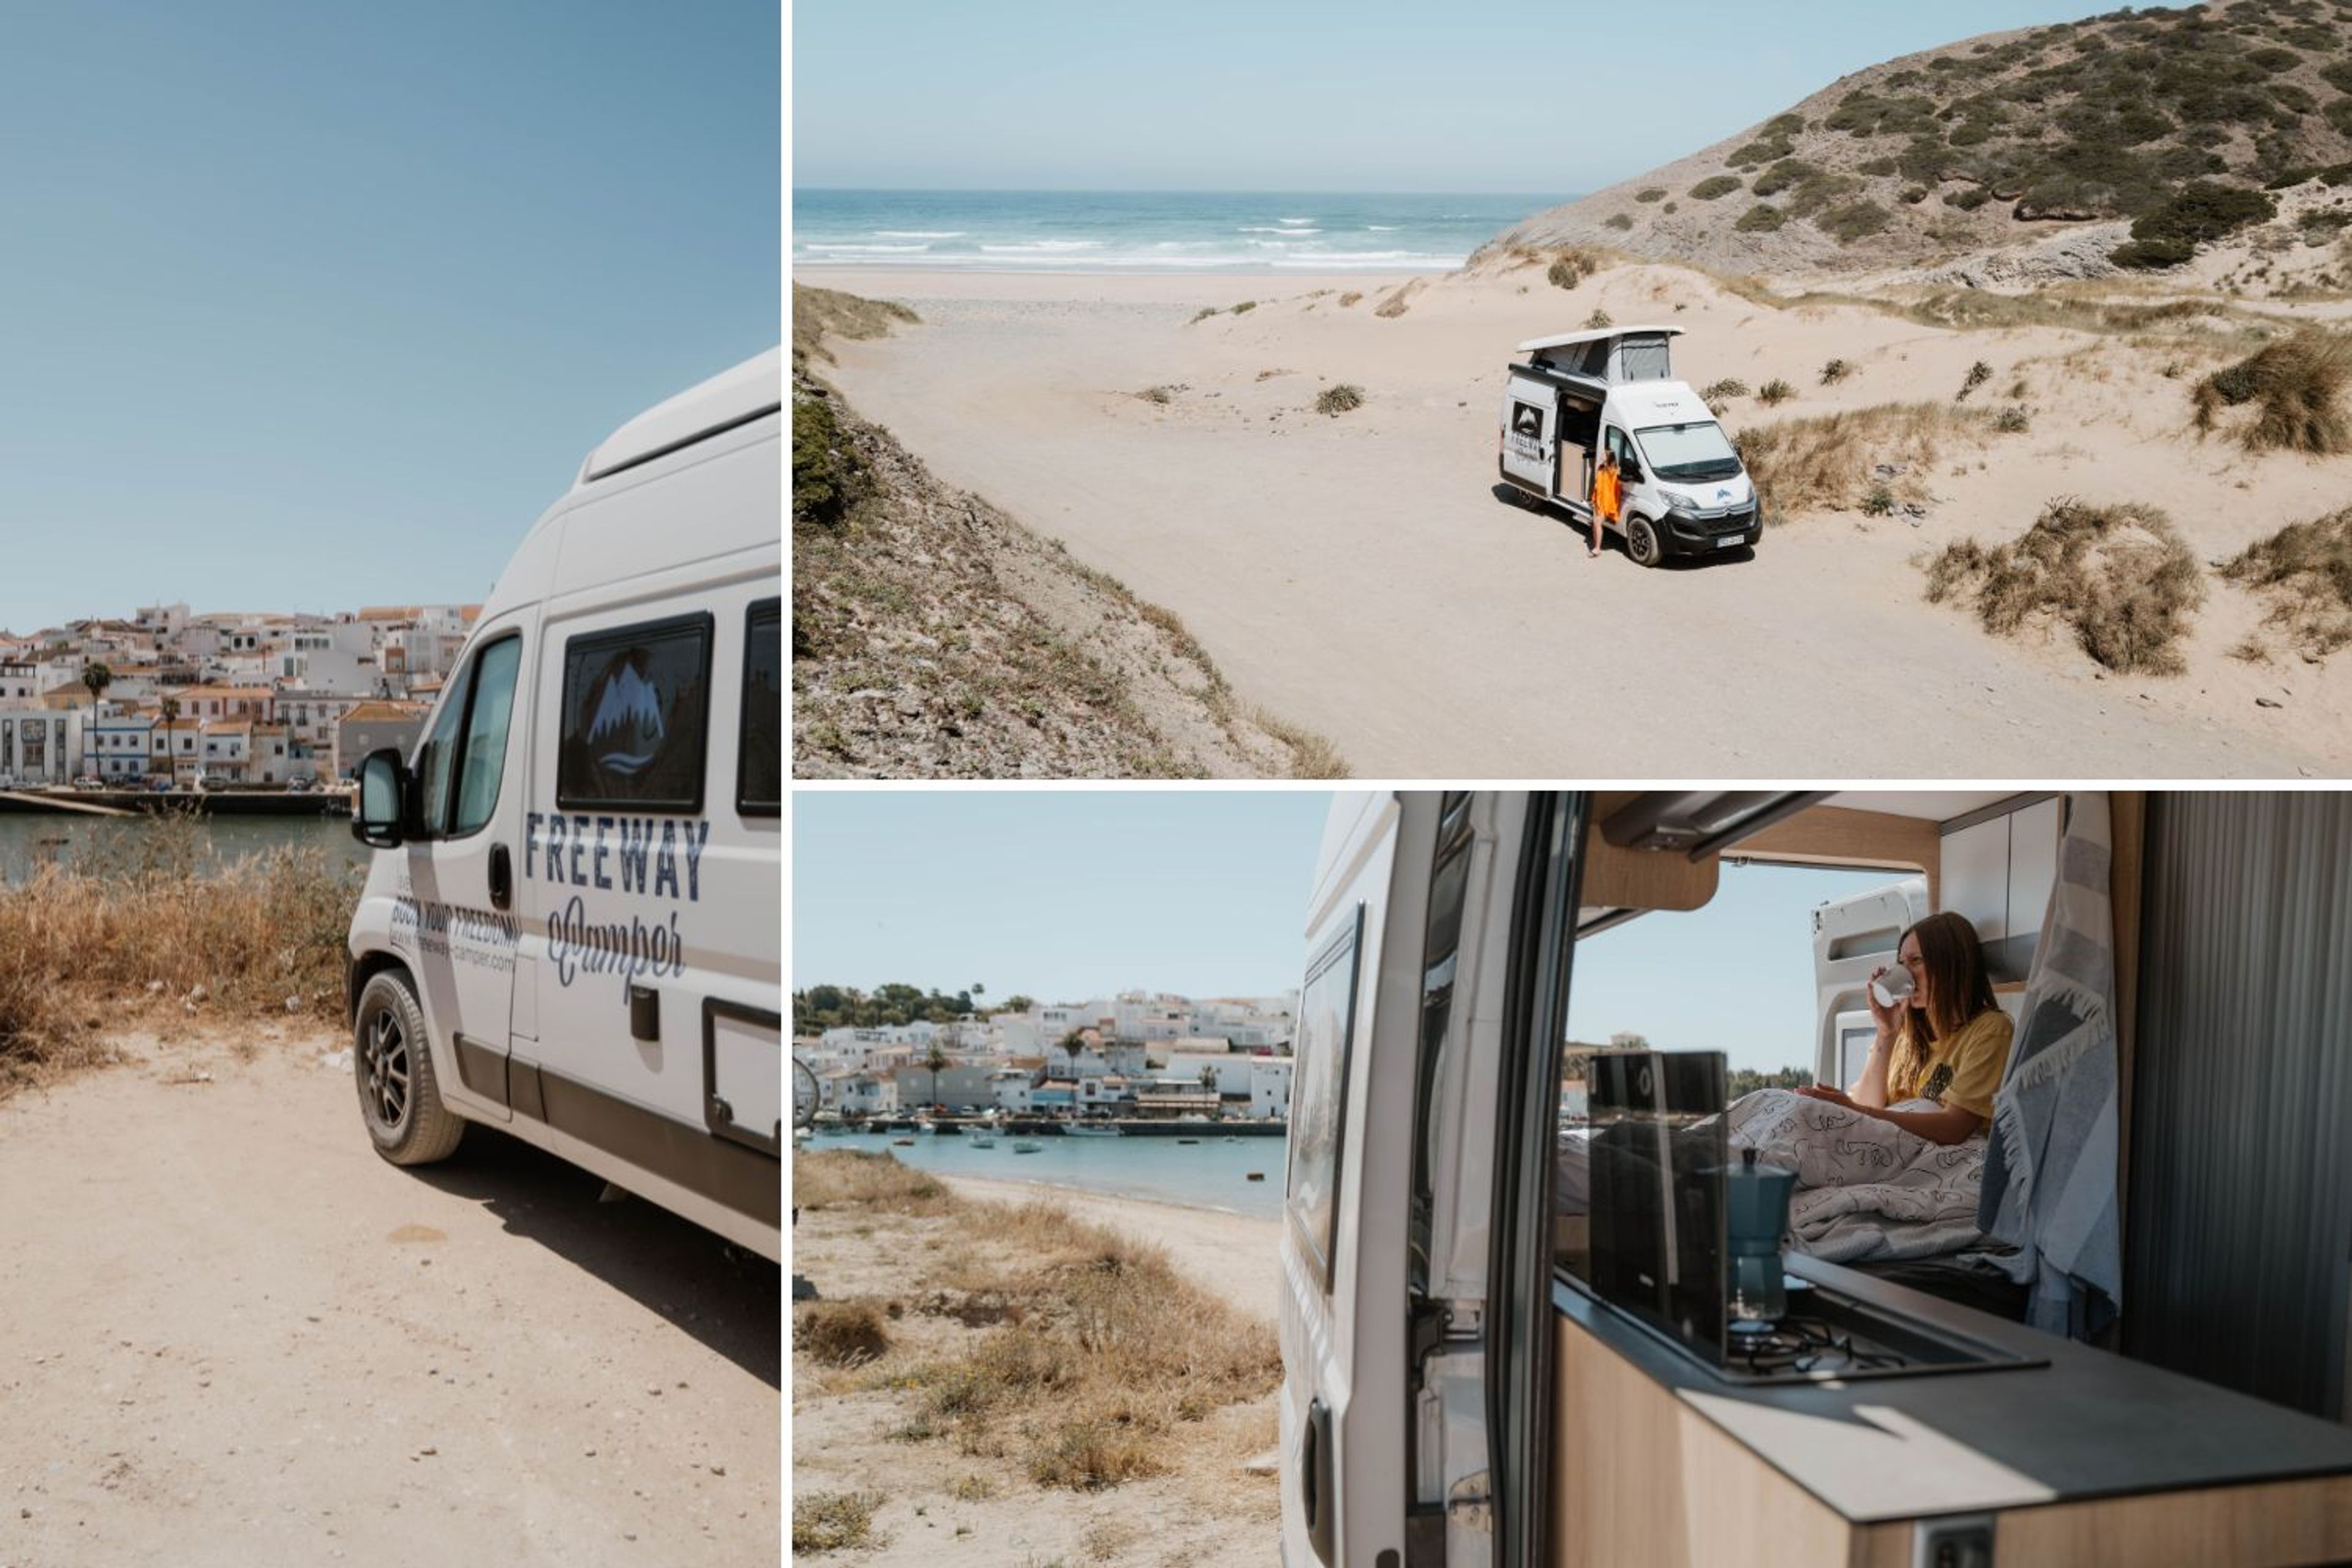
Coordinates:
[1068,895]
[316,306]
[1314,95]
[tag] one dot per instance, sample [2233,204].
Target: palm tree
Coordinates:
[98,678]
[171,707]
[936,1059]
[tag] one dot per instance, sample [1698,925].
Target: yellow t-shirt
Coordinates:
[1963,1069]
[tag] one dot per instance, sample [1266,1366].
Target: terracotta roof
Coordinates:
[383,712]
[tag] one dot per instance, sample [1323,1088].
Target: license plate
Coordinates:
[1731,542]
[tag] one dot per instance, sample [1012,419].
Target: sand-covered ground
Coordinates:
[1360,575]
[230,1334]
[945,1500]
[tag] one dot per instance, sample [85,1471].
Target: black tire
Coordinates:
[392,1062]
[1643,547]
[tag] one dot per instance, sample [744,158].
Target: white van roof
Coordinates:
[732,397]
[1566,338]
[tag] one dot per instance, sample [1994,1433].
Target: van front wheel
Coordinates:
[393,1065]
[1642,541]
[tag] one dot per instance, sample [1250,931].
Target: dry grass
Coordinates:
[841,1333]
[1828,461]
[1091,1360]
[2305,571]
[847,1178]
[1338,399]
[836,1521]
[818,314]
[2296,386]
[2118,576]
[147,921]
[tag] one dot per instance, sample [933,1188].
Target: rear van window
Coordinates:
[1326,1030]
[636,711]
[760,762]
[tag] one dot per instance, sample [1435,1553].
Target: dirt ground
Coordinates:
[944,1506]
[230,1334]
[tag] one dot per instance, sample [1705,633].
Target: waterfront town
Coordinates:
[170,698]
[1134,1059]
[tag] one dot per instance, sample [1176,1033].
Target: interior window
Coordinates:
[484,757]
[636,707]
[760,760]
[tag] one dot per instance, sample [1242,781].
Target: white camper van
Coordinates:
[1582,394]
[572,927]
[1472,1377]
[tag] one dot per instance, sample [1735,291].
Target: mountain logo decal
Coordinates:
[625,730]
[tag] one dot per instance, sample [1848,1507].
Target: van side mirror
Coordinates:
[377,818]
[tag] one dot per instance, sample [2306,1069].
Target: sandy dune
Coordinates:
[1359,576]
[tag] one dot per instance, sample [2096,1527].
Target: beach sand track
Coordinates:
[1360,575]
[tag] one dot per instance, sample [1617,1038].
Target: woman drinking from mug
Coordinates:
[1940,1050]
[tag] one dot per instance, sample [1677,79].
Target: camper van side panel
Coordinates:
[650,925]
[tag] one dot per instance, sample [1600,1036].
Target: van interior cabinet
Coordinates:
[2087,1460]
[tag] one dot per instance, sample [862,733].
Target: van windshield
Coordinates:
[1688,452]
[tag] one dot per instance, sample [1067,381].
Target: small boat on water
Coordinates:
[983,1141]
[1182,1142]
[1231,1138]
[1024,1147]
[1257,1176]
[1091,1131]
[902,1143]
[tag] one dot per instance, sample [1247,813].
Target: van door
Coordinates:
[1530,432]
[1852,937]
[1415,1328]
[460,873]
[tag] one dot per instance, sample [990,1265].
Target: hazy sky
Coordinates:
[312,306]
[1318,95]
[1068,896]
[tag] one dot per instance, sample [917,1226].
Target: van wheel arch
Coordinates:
[391,1068]
[1642,545]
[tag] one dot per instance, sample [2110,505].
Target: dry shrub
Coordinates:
[836,1521]
[1399,300]
[145,916]
[1338,399]
[1828,460]
[2118,576]
[2296,386]
[820,313]
[2304,571]
[840,1333]
[1112,1352]
[843,1178]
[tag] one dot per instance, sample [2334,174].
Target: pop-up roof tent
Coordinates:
[1613,356]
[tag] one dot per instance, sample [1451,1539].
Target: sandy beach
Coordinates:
[1361,576]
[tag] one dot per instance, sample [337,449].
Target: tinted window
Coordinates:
[1326,1011]
[760,765]
[483,761]
[636,709]
[433,763]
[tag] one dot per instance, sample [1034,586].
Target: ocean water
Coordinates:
[1153,231]
[29,839]
[1210,1175]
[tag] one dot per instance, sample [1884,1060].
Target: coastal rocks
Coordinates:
[2079,253]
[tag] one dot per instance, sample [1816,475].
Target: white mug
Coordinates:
[1890,988]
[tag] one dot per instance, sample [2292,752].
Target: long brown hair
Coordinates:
[1957,990]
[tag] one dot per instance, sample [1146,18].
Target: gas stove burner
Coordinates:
[1806,1346]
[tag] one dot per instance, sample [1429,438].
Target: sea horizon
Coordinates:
[1103,232]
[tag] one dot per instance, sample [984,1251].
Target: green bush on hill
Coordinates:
[827,477]
[1761,218]
[1715,186]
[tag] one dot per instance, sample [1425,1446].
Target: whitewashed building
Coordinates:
[1270,1088]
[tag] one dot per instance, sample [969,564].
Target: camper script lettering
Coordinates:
[631,948]
[641,854]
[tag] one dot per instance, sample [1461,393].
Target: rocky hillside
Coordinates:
[2120,142]
[934,637]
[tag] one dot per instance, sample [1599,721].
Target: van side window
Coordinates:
[482,761]
[636,713]
[439,754]
[759,754]
[1326,1031]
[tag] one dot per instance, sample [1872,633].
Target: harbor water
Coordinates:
[1211,1175]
